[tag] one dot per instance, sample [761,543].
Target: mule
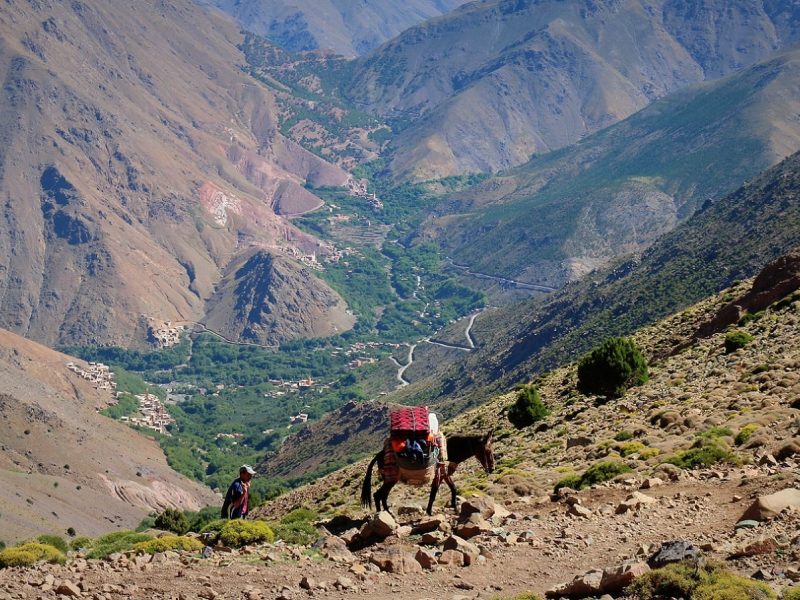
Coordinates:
[459,449]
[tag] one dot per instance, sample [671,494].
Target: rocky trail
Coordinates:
[489,551]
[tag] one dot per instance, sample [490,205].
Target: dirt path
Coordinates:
[518,284]
[216,334]
[557,547]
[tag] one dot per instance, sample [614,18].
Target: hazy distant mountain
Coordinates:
[494,82]
[348,27]
[570,211]
[137,162]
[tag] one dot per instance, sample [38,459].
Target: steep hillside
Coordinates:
[495,82]
[568,212]
[130,182]
[727,240]
[346,27]
[266,299]
[64,465]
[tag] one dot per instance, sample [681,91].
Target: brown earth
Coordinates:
[64,465]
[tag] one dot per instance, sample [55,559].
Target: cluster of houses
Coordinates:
[165,335]
[360,189]
[152,414]
[96,373]
[287,387]
[309,260]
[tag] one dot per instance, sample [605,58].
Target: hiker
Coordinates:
[236,499]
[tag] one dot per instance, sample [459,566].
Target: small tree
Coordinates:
[737,339]
[611,368]
[528,407]
[172,520]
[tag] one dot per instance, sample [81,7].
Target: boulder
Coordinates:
[426,526]
[617,579]
[469,550]
[767,507]
[382,525]
[651,482]
[757,548]
[67,588]
[474,525]
[396,560]
[335,549]
[451,558]
[582,586]
[788,451]
[672,552]
[578,510]
[426,559]
[634,502]
[485,506]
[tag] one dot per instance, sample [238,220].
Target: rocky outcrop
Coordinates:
[776,281]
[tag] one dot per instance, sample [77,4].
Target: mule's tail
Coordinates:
[366,487]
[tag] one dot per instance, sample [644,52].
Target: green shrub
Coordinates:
[172,520]
[29,554]
[629,448]
[119,541]
[704,453]
[81,542]
[55,541]
[623,436]
[15,557]
[2,545]
[711,582]
[299,533]
[736,340]
[168,542]
[528,408]
[611,368]
[71,532]
[792,593]
[715,432]
[746,432]
[597,473]
[237,533]
[300,514]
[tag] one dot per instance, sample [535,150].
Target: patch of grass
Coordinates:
[54,541]
[623,436]
[81,542]
[703,453]
[685,580]
[168,542]
[297,527]
[792,593]
[746,432]
[16,557]
[629,448]
[597,473]
[715,432]
[118,541]
[736,340]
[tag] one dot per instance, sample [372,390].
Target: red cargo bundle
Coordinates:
[409,420]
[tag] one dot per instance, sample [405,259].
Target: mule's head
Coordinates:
[485,454]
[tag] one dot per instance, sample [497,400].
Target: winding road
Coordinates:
[205,329]
[519,284]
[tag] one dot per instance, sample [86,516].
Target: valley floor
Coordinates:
[702,507]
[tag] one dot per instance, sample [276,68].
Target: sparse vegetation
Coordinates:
[746,432]
[597,473]
[297,527]
[168,542]
[792,593]
[686,580]
[29,554]
[81,542]
[118,541]
[172,520]
[528,407]
[237,533]
[611,368]
[736,340]
[704,453]
[54,541]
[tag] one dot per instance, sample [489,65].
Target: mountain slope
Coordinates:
[266,299]
[727,240]
[59,456]
[347,27]
[568,212]
[129,183]
[494,82]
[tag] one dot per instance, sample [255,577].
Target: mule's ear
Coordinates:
[489,435]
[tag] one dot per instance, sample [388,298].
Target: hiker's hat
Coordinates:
[247,469]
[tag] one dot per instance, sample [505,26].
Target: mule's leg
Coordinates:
[448,477]
[382,496]
[437,481]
